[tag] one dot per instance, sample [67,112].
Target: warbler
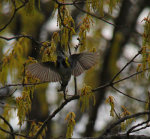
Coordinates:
[64,67]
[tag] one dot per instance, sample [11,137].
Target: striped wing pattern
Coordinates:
[83,61]
[42,72]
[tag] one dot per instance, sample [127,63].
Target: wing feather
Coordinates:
[44,71]
[82,62]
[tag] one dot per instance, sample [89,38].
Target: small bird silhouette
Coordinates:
[64,67]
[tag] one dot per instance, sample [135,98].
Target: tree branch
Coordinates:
[139,52]
[71,3]
[11,129]
[81,2]
[123,79]
[14,13]
[131,130]
[11,132]
[54,113]
[95,16]
[108,130]
[21,36]
[128,95]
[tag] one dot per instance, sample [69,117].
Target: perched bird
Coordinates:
[64,67]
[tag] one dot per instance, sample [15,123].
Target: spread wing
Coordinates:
[82,62]
[45,71]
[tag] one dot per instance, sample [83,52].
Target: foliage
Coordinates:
[24,104]
[28,41]
[35,127]
[110,101]
[84,28]
[125,124]
[70,118]
[13,60]
[145,46]
[66,25]
[85,97]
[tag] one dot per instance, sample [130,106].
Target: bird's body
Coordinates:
[64,67]
[64,71]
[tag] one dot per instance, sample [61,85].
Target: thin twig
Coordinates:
[115,82]
[20,84]
[148,104]
[75,85]
[65,98]
[21,36]
[141,128]
[71,3]
[128,77]
[139,52]
[11,129]
[16,134]
[11,132]
[24,71]
[128,95]
[14,13]
[116,114]
[108,130]
[132,128]
[100,18]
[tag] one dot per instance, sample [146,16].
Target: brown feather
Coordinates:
[43,73]
[83,61]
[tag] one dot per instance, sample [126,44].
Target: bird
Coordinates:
[63,68]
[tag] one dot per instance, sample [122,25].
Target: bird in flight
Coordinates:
[63,68]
